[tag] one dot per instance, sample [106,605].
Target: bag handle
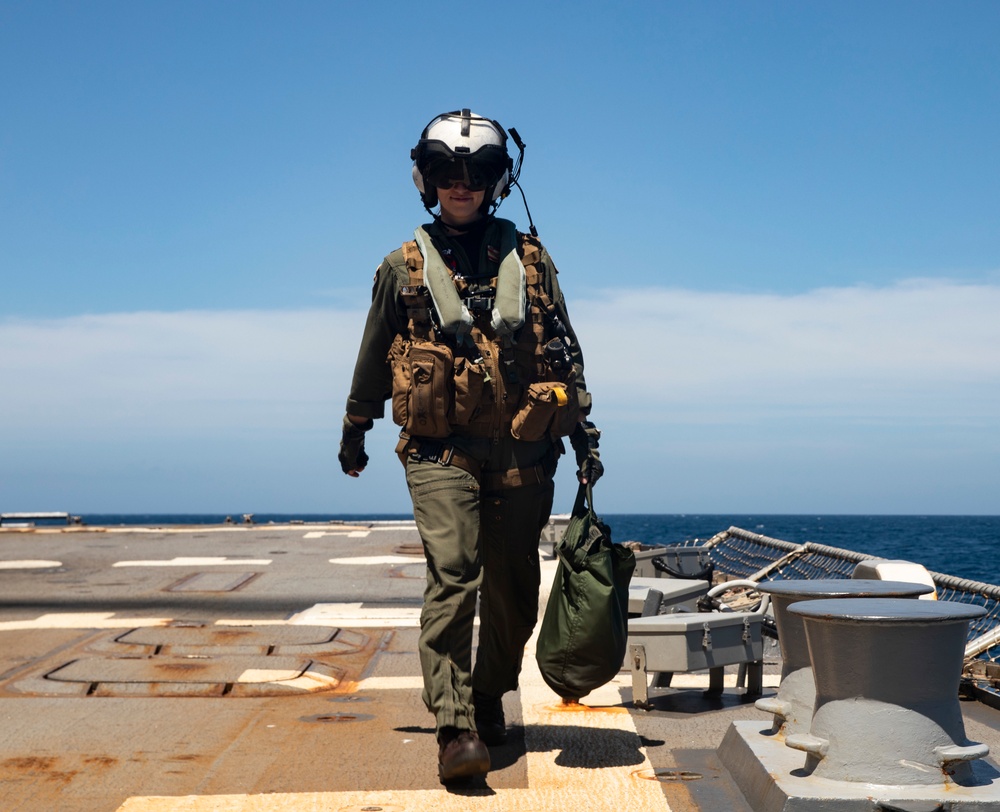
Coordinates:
[584,503]
[576,556]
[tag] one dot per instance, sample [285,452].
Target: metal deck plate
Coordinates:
[229,636]
[231,676]
[224,670]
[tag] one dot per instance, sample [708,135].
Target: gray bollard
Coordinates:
[792,706]
[887,673]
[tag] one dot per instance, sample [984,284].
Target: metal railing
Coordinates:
[22,518]
[742,554]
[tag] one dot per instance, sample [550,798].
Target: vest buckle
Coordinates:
[433,451]
[479,302]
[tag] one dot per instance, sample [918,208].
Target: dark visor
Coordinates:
[446,174]
[478,171]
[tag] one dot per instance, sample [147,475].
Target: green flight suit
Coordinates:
[480,529]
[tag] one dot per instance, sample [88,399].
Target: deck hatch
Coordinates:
[229,636]
[221,670]
[198,659]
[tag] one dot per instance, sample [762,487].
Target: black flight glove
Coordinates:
[584,441]
[352,456]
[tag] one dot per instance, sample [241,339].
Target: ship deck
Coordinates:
[274,667]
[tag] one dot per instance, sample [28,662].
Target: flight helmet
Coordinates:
[462,146]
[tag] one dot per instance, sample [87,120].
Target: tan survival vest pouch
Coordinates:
[421,386]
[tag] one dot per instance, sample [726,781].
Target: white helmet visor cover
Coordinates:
[462,146]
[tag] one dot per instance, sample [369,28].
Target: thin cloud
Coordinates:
[829,395]
[168,371]
[922,347]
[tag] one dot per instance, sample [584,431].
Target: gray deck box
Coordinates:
[682,642]
[689,561]
[679,595]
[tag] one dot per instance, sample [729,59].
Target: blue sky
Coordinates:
[776,224]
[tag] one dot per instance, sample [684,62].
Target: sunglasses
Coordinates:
[448,183]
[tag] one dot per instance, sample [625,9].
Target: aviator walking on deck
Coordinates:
[469,335]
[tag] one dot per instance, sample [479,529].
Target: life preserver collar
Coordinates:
[510,303]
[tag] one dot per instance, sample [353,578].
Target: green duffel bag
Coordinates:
[584,632]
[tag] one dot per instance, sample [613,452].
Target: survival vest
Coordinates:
[479,380]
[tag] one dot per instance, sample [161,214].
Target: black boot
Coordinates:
[461,754]
[490,723]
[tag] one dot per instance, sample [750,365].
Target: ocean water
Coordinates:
[963,546]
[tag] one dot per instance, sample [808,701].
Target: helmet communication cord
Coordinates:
[516,174]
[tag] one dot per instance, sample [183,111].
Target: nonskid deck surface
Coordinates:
[275,667]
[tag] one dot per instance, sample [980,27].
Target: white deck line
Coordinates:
[555,787]
[378,559]
[28,564]
[195,562]
[352,534]
[582,797]
[82,620]
[353,616]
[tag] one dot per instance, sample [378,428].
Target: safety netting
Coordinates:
[739,553]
